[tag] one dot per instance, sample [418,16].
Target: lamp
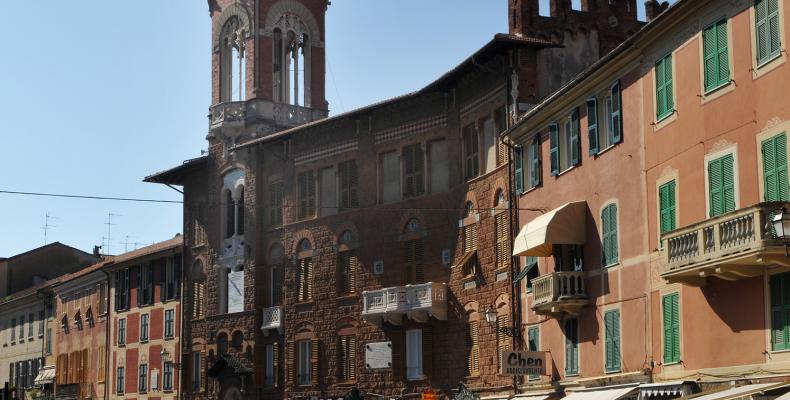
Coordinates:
[781,225]
[491,316]
[165,355]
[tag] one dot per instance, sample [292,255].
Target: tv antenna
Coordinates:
[109,230]
[47,226]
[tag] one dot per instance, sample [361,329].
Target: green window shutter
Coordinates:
[728,181]
[780,311]
[774,34]
[665,102]
[721,185]
[715,187]
[667,206]
[575,142]
[617,113]
[554,148]
[668,86]
[535,172]
[660,93]
[767,29]
[710,58]
[671,328]
[609,234]
[518,166]
[592,125]
[607,323]
[612,340]
[775,180]
[722,52]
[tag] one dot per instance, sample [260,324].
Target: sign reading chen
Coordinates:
[522,362]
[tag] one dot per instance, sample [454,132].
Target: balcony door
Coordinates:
[568,257]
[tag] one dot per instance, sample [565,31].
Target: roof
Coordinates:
[40,248]
[169,244]
[499,43]
[603,61]
[176,174]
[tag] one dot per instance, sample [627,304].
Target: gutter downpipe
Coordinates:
[108,326]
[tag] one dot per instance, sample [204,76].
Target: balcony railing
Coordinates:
[559,293]
[235,114]
[730,246]
[417,302]
[272,319]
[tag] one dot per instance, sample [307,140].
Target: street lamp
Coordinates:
[491,316]
[781,225]
[166,358]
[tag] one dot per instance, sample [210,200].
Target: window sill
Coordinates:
[169,337]
[612,371]
[665,120]
[347,296]
[143,341]
[529,190]
[671,363]
[605,150]
[768,65]
[719,91]
[780,351]
[611,265]
[571,374]
[566,170]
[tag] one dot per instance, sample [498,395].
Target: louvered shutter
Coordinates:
[575,140]
[554,150]
[722,53]
[592,125]
[775,168]
[177,276]
[419,169]
[138,271]
[117,276]
[472,342]
[503,341]
[710,57]
[352,273]
[571,343]
[668,85]
[315,365]
[502,240]
[728,183]
[667,206]
[408,249]
[671,328]
[290,365]
[309,278]
[660,90]
[774,33]
[780,311]
[612,338]
[276,363]
[535,171]
[470,238]
[715,186]
[353,184]
[418,264]
[398,355]
[518,167]
[617,113]
[607,323]
[427,351]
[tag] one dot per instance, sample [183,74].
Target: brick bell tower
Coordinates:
[268,67]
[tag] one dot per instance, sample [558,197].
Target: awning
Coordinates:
[45,375]
[517,397]
[668,388]
[603,394]
[742,391]
[524,272]
[785,396]
[563,225]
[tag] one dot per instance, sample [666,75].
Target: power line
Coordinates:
[75,196]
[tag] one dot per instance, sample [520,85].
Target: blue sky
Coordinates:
[97,94]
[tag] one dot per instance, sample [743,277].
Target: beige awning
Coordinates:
[45,375]
[563,225]
[742,391]
[601,394]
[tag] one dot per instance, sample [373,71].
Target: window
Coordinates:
[604,127]
[102,299]
[347,264]
[489,144]
[565,145]
[473,343]
[413,171]
[500,117]
[665,101]
[304,367]
[49,341]
[144,327]
[167,378]
[767,30]
[122,289]
[534,163]
[21,327]
[268,379]
[414,354]
[291,63]
[667,210]
[233,62]
[197,367]
[721,185]
[530,271]
[568,257]
[611,321]
[327,191]
[145,284]
[13,330]
[571,328]
[121,331]
[775,183]
[609,243]
[230,212]
[415,272]
[170,316]
[101,363]
[119,380]
[347,358]
[533,344]
[41,323]
[716,61]
[438,165]
[780,311]
[306,187]
[671,328]
[171,278]
[390,177]
[471,152]
[276,203]
[142,382]
[349,181]
[30,319]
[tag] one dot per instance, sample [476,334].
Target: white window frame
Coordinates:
[414,367]
[303,349]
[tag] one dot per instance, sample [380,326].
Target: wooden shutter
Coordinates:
[535,160]
[710,58]
[427,351]
[518,167]
[502,340]
[409,184]
[398,354]
[592,124]
[575,141]
[84,368]
[721,182]
[352,272]
[414,266]
[609,223]
[554,148]
[315,359]
[664,87]
[473,343]
[117,276]
[617,113]
[775,180]
[768,29]
[276,363]
[666,199]
[290,365]
[671,328]
[502,240]
[470,238]
[612,340]
[780,312]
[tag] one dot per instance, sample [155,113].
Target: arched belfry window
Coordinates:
[291,61]
[233,204]
[233,61]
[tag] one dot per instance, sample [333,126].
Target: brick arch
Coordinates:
[498,185]
[472,310]
[299,236]
[270,245]
[234,10]
[305,330]
[204,271]
[294,7]
[346,226]
[403,232]
[347,325]
[502,303]
[471,196]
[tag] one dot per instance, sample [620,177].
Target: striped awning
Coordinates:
[45,376]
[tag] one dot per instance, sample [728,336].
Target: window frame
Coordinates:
[414,355]
[613,337]
[471,150]
[662,114]
[121,332]
[167,376]
[718,156]
[571,369]
[144,327]
[720,83]
[675,330]
[142,378]
[169,323]
[304,363]
[120,380]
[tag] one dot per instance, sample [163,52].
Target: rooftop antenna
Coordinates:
[126,244]
[109,230]
[47,225]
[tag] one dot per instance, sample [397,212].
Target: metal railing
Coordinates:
[272,318]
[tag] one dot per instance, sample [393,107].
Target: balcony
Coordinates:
[732,246]
[559,293]
[272,319]
[417,302]
[229,116]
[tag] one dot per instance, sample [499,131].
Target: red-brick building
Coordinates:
[360,250]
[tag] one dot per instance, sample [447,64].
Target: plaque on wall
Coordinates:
[378,355]
[236,291]
[378,267]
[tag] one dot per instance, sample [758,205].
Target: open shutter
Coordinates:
[398,355]
[774,27]
[309,278]
[554,150]
[592,124]
[660,92]
[353,267]
[575,142]
[427,351]
[518,166]
[472,342]
[722,53]
[315,366]
[275,363]
[668,84]
[780,312]
[617,113]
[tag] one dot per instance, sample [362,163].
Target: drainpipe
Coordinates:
[107,327]
[180,335]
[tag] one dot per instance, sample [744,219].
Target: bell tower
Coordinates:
[268,67]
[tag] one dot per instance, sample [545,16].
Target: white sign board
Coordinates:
[236,291]
[378,355]
[522,362]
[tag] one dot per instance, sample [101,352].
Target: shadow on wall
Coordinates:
[737,303]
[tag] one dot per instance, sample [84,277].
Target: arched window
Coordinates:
[233,62]
[222,344]
[469,209]
[230,222]
[240,212]
[237,341]
[291,61]
[233,203]
[347,264]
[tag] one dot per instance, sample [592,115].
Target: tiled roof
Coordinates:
[176,241]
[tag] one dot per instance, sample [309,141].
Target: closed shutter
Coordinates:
[666,199]
[592,125]
[347,358]
[665,102]
[767,28]
[671,328]
[415,272]
[276,364]
[715,54]
[290,365]
[347,263]
[612,340]
[230,219]
[535,162]
[427,351]
[776,185]
[315,366]
[502,340]
[473,343]
[398,354]
[617,113]
[575,140]
[554,148]
[721,183]
[780,312]
[502,240]
[518,166]
[609,234]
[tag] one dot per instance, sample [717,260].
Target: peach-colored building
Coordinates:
[645,186]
